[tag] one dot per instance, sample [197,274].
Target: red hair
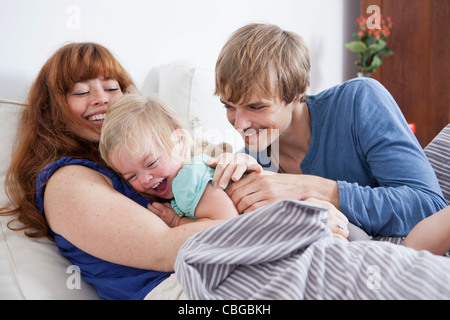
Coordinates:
[43,132]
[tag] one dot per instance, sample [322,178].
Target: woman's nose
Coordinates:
[100,98]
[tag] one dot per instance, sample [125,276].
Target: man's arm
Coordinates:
[406,189]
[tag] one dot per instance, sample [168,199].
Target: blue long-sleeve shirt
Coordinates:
[361,140]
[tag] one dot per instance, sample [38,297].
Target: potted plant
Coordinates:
[370,44]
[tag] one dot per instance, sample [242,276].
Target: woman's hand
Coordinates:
[231,166]
[337,222]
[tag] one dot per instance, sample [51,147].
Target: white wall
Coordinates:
[144,34]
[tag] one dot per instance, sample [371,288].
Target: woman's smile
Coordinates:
[97,117]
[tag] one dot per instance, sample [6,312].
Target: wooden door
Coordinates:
[418,74]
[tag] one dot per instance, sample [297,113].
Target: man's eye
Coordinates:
[257,108]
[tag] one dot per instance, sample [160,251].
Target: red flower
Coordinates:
[373,39]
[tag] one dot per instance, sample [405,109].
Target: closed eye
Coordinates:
[112,89]
[130,178]
[80,93]
[152,163]
[256,108]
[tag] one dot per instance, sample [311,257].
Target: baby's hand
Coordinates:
[165,212]
[231,166]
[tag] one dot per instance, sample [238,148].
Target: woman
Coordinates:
[60,188]
[81,208]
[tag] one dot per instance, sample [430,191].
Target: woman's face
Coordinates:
[89,99]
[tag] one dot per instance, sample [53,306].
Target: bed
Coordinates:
[34,269]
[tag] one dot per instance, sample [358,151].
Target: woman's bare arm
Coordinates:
[432,233]
[82,206]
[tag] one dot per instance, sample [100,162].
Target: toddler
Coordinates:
[151,147]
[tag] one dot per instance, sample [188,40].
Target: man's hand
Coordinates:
[231,166]
[259,189]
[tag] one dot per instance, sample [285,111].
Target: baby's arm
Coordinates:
[166,213]
[215,204]
[432,233]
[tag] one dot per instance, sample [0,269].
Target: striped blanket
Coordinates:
[285,251]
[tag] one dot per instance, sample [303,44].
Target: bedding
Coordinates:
[285,251]
[438,153]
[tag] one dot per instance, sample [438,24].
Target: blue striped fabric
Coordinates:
[285,251]
[438,153]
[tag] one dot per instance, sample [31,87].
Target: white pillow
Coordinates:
[31,268]
[189,90]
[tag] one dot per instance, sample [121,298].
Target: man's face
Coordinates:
[260,121]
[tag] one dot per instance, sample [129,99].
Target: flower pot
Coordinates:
[364,74]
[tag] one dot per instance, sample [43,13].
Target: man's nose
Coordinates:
[241,121]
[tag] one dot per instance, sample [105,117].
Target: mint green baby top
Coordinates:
[189,184]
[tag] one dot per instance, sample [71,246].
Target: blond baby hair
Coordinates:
[137,124]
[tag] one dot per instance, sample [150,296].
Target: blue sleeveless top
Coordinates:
[112,281]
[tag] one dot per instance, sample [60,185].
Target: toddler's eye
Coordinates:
[152,163]
[130,178]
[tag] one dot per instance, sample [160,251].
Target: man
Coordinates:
[349,145]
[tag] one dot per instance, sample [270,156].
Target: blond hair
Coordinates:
[243,65]
[138,124]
